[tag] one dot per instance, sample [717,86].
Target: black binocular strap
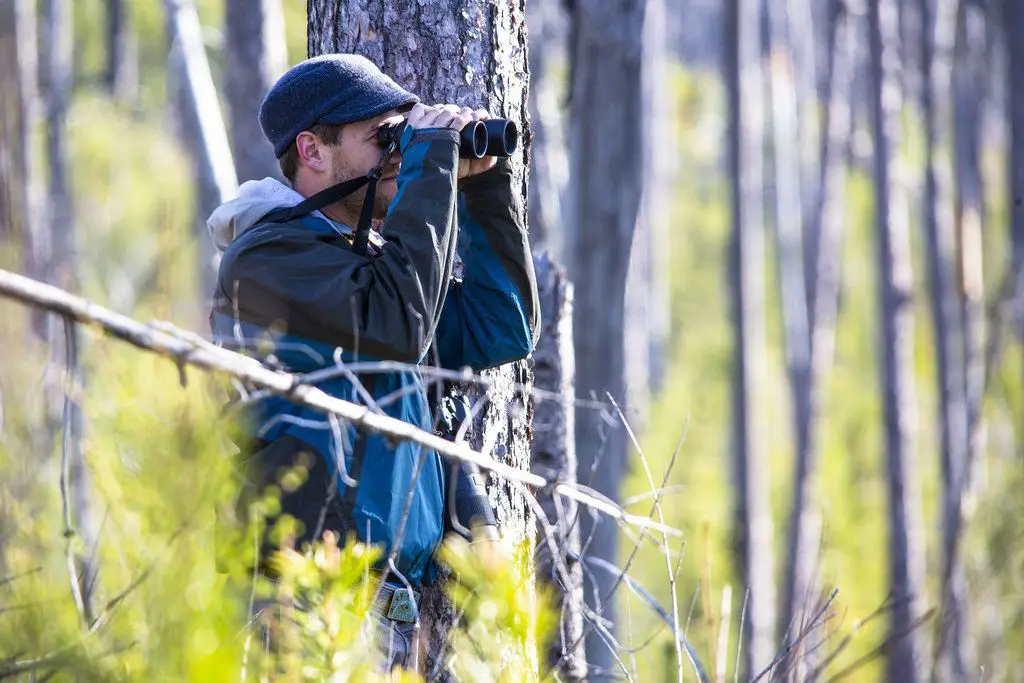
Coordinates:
[336,193]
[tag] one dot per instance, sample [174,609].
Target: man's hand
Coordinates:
[454,117]
[439,116]
[487,545]
[471,167]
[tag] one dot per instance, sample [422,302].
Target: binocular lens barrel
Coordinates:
[473,141]
[502,137]
[495,137]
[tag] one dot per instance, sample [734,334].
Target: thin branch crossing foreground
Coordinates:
[186,348]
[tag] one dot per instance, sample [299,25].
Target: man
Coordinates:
[302,281]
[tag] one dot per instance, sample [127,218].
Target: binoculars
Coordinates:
[492,138]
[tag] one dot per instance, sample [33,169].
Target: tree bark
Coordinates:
[804,532]
[906,547]
[554,458]
[752,525]
[202,129]
[255,58]
[472,53]
[601,218]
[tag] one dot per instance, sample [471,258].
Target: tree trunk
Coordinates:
[121,69]
[969,73]
[202,129]
[554,458]
[63,396]
[473,53]
[789,250]
[799,593]
[605,133]
[752,525]
[255,58]
[906,551]
[1013,20]
[548,163]
[937,62]
[648,315]
[21,178]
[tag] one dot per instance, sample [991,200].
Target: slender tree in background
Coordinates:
[202,129]
[474,54]
[752,525]
[828,219]
[906,542]
[65,380]
[647,284]
[789,228]
[548,25]
[969,94]
[121,69]
[255,57]
[807,36]
[1013,23]
[19,108]
[969,78]
[604,133]
[937,42]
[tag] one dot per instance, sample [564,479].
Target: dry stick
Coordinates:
[663,545]
[187,349]
[885,645]
[435,373]
[65,466]
[820,617]
[739,641]
[676,635]
[885,607]
[101,619]
[14,577]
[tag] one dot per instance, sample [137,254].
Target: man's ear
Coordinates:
[311,151]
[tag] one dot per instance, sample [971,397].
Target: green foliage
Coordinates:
[160,462]
[509,622]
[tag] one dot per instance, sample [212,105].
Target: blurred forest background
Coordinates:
[823,321]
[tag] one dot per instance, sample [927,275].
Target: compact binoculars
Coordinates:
[491,138]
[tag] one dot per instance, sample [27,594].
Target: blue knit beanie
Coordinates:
[339,88]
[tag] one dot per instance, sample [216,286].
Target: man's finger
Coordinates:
[481,115]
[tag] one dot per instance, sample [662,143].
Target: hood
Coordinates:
[256,198]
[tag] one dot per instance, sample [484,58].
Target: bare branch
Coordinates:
[189,349]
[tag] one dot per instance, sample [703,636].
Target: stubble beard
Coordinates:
[353,204]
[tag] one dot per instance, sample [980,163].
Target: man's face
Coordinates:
[357,152]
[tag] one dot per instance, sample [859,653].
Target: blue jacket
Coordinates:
[296,293]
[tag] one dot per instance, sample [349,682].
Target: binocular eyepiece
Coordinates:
[494,138]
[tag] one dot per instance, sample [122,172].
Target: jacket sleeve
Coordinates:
[492,316]
[386,306]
